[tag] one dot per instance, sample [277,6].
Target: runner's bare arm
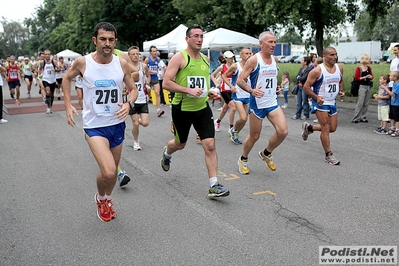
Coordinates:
[77,68]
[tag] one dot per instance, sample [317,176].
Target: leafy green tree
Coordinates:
[138,21]
[213,14]
[13,39]
[41,26]
[384,29]
[319,17]
[290,37]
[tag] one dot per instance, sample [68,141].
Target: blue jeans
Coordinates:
[285,93]
[302,103]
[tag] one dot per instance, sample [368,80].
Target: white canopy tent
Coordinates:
[224,38]
[68,54]
[169,41]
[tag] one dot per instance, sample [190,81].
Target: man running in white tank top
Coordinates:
[104,112]
[326,81]
[262,71]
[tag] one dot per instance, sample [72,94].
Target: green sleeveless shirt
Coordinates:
[194,74]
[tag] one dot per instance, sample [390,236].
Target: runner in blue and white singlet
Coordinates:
[326,80]
[327,86]
[265,77]
[239,95]
[262,71]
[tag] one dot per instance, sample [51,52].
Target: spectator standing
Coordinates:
[364,75]
[394,76]
[285,85]
[2,73]
[383,104]
[393,67]
[302,103]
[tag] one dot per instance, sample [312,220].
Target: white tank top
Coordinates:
[61,73]
[102,90]
[27,69]
[265,75]
[78,82]
[141,98]
[240,92]
[328,85]
[49,73]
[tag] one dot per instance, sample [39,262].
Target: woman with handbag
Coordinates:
[302,102]
[364,75]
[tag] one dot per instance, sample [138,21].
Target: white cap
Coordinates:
[228,54]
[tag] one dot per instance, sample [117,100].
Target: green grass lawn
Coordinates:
[349,71]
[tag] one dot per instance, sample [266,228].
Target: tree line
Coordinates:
[68,24]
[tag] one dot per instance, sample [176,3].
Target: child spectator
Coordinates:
[285,85]
[394,76]
[383,104]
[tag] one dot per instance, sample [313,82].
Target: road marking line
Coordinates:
[233,176]
[264,192]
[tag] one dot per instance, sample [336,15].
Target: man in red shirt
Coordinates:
[13,72]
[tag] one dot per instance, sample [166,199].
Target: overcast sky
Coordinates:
[18,10]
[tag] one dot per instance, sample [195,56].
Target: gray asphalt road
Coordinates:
[48,214]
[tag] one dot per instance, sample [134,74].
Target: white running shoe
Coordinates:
[136,146]
[217,125]
[3,121]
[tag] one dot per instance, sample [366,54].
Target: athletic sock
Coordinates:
[101,197]
[213,180]
[266,152]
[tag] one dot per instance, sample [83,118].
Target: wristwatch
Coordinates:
[250,91]
[131,104]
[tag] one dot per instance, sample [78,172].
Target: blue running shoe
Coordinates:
[218,191]
[234,136]
[165,162]
[123,178]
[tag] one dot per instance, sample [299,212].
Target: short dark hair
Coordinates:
[222,60]
[152,46]
[327,49]
[307,59]
[105,26]
[386,78]
[188,31]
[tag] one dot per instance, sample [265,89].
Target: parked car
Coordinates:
[280,57]
[392,56]
[349,60]
[298,60]
[375,60]
[287,59]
